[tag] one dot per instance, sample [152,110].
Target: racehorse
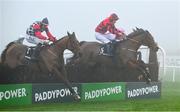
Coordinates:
[50,58]
[125,54]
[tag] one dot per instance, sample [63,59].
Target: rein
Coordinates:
[133,40]
[131,50]
[58,46]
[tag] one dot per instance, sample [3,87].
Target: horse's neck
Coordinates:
[135,42]
[60,46]
[130,44]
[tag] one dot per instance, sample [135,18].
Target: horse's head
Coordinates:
[149,41]
[73,44]
[143,37]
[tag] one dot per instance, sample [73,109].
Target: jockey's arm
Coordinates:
[121,36]
[39,35]
[38,32]
[50,36]
[112,29]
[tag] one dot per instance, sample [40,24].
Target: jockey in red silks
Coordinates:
[34,35]
[106,31]
[34,32]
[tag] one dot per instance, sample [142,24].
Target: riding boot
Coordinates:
[109,49]
[36,52]
[113,44]
[112,49]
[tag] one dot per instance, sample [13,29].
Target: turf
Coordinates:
[169,101]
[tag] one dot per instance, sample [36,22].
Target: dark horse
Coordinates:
[125,55]
[50,58]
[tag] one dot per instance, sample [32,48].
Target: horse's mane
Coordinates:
[135,32]
[59,40]
[3,55]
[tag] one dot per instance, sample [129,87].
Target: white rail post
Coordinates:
[164,57]
[174,74]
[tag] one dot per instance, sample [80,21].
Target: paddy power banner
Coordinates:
[46,93]
[139,90]
[103,91]
[15,94]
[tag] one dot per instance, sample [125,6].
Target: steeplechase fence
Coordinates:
[25,94]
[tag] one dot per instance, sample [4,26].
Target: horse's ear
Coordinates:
[74,35]
[133,30]
[68,33]
[137,28]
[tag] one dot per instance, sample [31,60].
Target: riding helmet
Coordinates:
[45,21]
[114,16]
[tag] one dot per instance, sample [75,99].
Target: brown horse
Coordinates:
[125,54]
[50,58]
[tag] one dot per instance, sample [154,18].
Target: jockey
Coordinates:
[106,31]
[34,32]
[34,35]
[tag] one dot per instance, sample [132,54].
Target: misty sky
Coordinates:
[160,17]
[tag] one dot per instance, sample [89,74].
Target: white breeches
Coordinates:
[105,38]
[34,40]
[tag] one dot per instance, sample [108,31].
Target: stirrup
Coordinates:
[104,54]
[148,81]
[27,57]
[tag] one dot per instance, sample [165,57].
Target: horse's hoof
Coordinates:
[77,97]
[148,81]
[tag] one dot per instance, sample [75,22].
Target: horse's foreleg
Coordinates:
[144,67]
[63,71]
[143,70]
[66,82]
[145,74]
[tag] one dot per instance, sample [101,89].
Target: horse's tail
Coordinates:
[20,40]
[3,55]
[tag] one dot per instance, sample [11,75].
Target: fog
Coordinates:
[160,17]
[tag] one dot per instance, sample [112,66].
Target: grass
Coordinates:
[169,101]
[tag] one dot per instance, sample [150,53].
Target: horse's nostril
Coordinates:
[157,48]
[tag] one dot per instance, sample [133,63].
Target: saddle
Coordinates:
[32,53]
[107,49]
[29,52]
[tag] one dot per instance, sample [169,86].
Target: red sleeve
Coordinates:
[38,32]
[111,28]
[50,36]
[39,35]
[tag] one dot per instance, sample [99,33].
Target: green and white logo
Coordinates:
[15,94]
[136,90]
[54,92]
[103,91]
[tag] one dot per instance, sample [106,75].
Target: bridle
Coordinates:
[138,42]
[133,40]
[58,46]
